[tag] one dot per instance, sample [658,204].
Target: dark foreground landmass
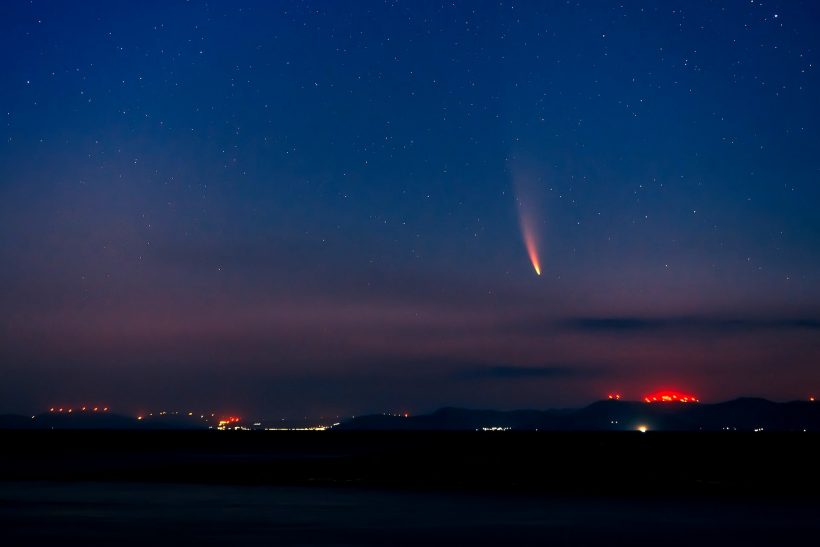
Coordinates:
[407,488]
[617,462]
[96,514]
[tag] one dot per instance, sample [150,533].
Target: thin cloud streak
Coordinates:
[626,325]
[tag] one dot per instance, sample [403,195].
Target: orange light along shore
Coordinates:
[59,410]
[670,397]
[225,423]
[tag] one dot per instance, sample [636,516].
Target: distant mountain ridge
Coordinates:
[744,414]
[95,420]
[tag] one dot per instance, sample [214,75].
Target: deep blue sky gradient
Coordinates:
[287,208]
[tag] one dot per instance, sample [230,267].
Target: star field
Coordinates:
[312,207]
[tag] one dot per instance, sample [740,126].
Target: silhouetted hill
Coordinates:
[745,414]
[84,420]
[15,421]
[173,421]
[96,420]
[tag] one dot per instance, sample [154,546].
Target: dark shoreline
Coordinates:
[116,513]
[635,464]
[160,488]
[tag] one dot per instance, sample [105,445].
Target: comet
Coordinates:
[526,194]
[530,242]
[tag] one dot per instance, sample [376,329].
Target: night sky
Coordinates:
[290,208]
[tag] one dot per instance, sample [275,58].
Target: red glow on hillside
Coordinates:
[670,397]
[614,396]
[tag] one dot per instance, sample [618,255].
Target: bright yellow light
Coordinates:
[643,428]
